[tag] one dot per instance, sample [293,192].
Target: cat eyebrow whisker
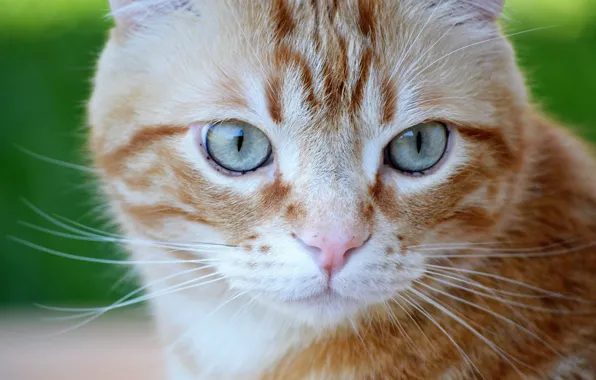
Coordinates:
[250,47]
[417,306]
[499,351]
[411,45]
[500,37]
[423,55]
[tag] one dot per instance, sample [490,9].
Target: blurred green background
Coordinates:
[47,53]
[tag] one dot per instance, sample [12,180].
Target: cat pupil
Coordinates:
[240,140]
[419,141]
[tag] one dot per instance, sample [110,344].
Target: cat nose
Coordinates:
[332,246]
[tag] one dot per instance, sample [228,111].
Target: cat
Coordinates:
[348,189]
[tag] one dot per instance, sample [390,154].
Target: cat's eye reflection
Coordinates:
[418,148]
[237,146]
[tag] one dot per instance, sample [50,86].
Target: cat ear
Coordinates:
[489,9]
[127,13]
[132,13]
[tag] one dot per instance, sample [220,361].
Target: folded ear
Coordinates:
[132,13]
[490,9]
[126,13]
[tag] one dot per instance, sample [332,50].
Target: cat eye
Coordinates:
[237,146]
[418,148]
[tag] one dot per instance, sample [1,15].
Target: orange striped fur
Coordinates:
[482,268]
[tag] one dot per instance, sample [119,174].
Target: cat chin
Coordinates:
[324,311]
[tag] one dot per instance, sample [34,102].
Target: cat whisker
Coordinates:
[57,162]
[501,37]
[183,336]
[67,227]
[401,329]
[120,302]
[244,309]
[105,261]
[511,253]
[468,281]
[499,351]
[411,45]
[407,312]
[247,40]
[424,54]
[101,312]
[500,299]
[355,329]
[493,291]
[84,228]
[439,246]
[197,247]
[491,312]
[422,311]
[504,279]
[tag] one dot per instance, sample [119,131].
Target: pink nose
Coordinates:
[332,245]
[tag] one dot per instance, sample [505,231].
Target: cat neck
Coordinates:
[218,334]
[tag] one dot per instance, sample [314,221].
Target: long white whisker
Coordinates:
[120,302]
[425,53]
[496,298]
[477,247]
[411,45]
[419,72]
[459,244]
[357,333]
[468,281]
[58,223]
[138,300]
[85,228]
[61,163]
[487,341]
[407,312]
[401,329]
[512,309]
[191,329]
[106,261]
[252,50]
[497,277]
[416,306]
[506,255]
[494,314]
[198,247]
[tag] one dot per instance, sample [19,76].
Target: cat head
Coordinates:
[329,148]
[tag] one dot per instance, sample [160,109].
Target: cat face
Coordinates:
[332,150]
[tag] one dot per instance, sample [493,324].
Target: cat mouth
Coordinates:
[325,297]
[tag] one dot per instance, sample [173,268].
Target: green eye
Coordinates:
[418,148]
[237,146]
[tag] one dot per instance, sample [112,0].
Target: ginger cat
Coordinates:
[350,189]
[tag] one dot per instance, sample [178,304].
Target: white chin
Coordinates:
[320,311]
